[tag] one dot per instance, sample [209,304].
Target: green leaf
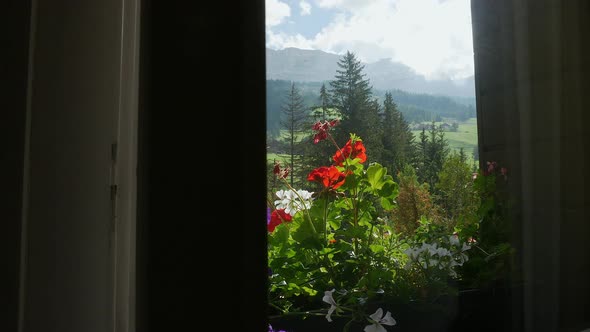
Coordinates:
[280,235]
[335,222]
[376,176]
[293,288]
[307,236]
[354,232]
[309,291]
[387,203]
[390,189]
[290,253]
[377,248]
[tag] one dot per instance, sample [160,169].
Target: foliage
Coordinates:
[315,155]
[398,140]
[294,120]
[351,94]
[435,257]
[457,196]
[356,235]
[417,115]
[439,106]
[275,92]
[339,242]
[491,264]
[416,107]
[433,149]
[413,203]
[465,137]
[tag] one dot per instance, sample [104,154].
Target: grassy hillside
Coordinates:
[465,137]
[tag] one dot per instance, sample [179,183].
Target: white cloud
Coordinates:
[431,36]
[282,40]
[276,12]
[345,4]
[305,8]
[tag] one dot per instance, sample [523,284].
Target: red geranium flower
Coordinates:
[356,150]
[322,130]
[281,173]
[277,217]
[330,177]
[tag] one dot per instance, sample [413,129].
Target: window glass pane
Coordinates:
[380,212]
[427,165]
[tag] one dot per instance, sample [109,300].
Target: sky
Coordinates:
[433,37]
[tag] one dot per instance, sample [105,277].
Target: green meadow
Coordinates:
[465,137]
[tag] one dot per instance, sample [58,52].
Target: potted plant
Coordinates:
[336,262]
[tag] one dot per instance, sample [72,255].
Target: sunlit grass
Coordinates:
[271,157]
[465,137]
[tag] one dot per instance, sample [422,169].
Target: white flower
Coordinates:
[433,262]
[328,298]
[465,247]
[412,253]
[441,252]
[462,258]
[432,249]
[454,239]
[379,320]
[289,200]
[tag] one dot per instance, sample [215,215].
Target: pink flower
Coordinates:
[491,167]
[504,172]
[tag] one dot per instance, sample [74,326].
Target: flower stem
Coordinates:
[326,219]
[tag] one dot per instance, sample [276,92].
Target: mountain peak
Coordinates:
[303,65]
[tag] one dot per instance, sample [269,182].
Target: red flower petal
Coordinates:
[277,217]
[350,151]
[330,177]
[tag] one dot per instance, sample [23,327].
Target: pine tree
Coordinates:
[437,153]
[398,140]
[352,97]
[442,147]
[421,162]
[372,129]
[294,118]
[462,155]
[390,146]
[316,155]
[324,102]
[409,146]
[433,150]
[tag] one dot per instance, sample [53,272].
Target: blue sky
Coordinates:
[431,36]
